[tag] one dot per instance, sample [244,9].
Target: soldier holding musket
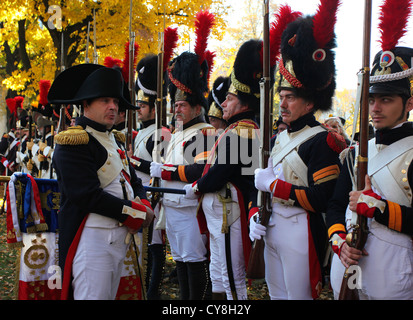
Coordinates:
[383,265]
[304,164]
[185,157]
[226,188]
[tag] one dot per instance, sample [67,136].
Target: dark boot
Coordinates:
[157,259]
[182,273]
[199,281]
[219,296]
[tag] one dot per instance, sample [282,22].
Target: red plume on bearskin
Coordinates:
[44,86]
[110,62]
[126,59]
[283,17]
[19,101]
[170,43]
[11,104]
[393,21]
[203,25]
[209,56]
[324,21]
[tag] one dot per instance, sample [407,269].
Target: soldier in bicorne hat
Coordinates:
[385,263]
[304,163]
[102,200]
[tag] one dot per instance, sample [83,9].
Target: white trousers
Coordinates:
[286,258]
[386,272]
[218,265]
[182,229]
[336,275]
[98,263]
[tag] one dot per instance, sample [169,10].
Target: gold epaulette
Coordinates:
[72,136]
[245,130]
[209,131]
[119,136]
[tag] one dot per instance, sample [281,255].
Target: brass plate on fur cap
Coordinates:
[180,95]
[142,97]
[215,111]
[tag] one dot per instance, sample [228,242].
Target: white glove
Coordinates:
[257,230]
[156,169]
[264,177]
[190,193]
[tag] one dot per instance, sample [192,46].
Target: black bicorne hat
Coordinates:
[88,81]
[217,96]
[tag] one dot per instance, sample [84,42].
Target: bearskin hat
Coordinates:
[188,79]
[392,70]
[247,72]
[307,63]
[146,81]
[147,70]
[188,73]
[217,96]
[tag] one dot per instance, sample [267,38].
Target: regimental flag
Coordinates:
[32,207]
[39,274]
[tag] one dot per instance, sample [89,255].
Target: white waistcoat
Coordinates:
[109,176]
[175,155]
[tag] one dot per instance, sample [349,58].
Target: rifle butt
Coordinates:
[346,293]
[256,263]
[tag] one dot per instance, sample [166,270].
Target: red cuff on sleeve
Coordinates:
[134,223]
[363,208]
[371,193]
[253,211]
[337,247]
[146,203]
[137,206]
[196,191]
[282,190]
[166,174]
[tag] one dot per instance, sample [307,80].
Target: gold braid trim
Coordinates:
[119,135]
[245,130]
[239,86]
[72,136]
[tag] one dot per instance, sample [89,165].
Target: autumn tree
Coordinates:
[34,45]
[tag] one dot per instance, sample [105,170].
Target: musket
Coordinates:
[43,163]
[95,54]
[61,126]
[358,236]
[87,43]
[62,59]
[30,162]
[156,153]
[256,264]
[52,144]
[131,82]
